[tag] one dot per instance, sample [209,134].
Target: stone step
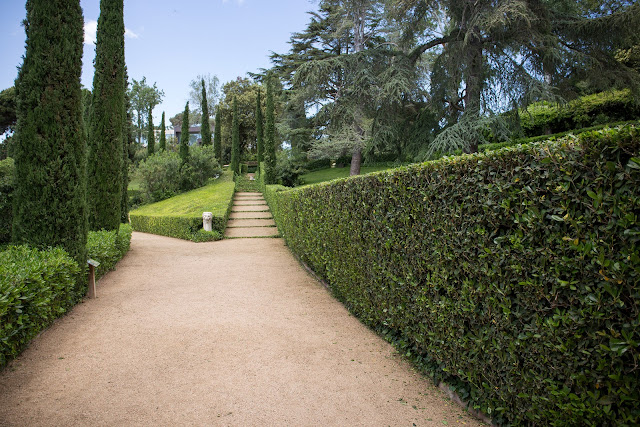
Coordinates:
[250,215]
[251,223]
[249,203]
[249,194]
[251,232]
[260,208]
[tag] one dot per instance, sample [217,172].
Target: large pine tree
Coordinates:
[217,136]
[151,137]
[205,129]
[235,139]
[163,135]
[270,137]
[49,146]
[259,130]
[107,120]
[184,136]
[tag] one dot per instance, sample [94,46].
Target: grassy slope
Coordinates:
[213,198]
[335,173]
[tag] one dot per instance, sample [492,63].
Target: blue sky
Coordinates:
[164,40]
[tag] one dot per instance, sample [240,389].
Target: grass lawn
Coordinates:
[214,198]
[334,173]
[134,184]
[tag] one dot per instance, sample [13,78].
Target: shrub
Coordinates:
[36,287]
[108,247]
[288,170]
[512,275]
[199,168]
[314,165]
[6,188]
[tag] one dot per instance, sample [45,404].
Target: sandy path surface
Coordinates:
[233,332]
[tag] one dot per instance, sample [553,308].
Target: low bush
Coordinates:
[6,190]
[314,165]
[36,287]
[288,169]
[108,247]
[181,216]
[513,275]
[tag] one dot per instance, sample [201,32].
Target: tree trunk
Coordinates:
[356,161]
[473,90]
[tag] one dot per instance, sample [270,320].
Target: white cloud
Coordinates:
[91,28]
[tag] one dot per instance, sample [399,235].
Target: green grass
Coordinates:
[134,184]
[214,198]
[323,175]
[244,184]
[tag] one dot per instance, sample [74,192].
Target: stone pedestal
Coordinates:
[207,219]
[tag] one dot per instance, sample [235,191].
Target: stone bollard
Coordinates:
[207,218]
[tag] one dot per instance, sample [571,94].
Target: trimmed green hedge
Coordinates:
[37,287]
[181,216]
[511,275]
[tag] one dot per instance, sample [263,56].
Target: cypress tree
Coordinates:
[151,137]
[270,138]
[184,136]
[107,120]
[259,130]
[205,130]
[163,135]
[235,139]
[49,147]
[217,136]
[127,139]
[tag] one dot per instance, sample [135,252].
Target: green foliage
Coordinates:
[181,216]
[259,130]
[235,140]
[36,287]
[7,170]
[184,136]
[108,247]
[163,175]
[151,138]
[270,137]
[513,275]
[163,135]
[590,110]
[143,99]
[206,127]
[8,107]
[217,136]
[329,174]
[289,169]
[50,155]
[243,184]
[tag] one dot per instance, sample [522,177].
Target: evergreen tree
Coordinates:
[107,120]
[49,146]
[184,136]
[217,136]
[163,135]
[127,139]
[235,140]
[151,137]
[270,137]
[205,129]
[259,130]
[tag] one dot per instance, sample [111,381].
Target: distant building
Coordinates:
[194,135]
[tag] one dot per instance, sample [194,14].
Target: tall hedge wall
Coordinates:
[512,275]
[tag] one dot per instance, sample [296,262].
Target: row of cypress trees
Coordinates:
[66,185]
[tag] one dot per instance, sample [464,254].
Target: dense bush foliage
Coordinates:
[163,175]
[108,247]
[590,110]
[6,188]
[314,165]
[288,169]
[512,275]
[36,287]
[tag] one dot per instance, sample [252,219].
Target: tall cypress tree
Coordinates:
[107,120]
[127,139]
[217,136]
[270,137]
[205,130]
[184,136]
[163,135]
[259,130]
[235,139]
[151,137]
[49,146]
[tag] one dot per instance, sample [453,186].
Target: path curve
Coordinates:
[233,332]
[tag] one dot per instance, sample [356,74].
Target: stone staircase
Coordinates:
[250,217]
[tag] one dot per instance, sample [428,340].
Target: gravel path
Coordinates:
[233,332]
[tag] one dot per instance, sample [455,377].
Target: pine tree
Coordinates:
[217,135]
[270,137]
[163,135]
[49,146]
[205,129]
[259,130]
[151,137]
[184,136]
[235,139]
[107,120]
